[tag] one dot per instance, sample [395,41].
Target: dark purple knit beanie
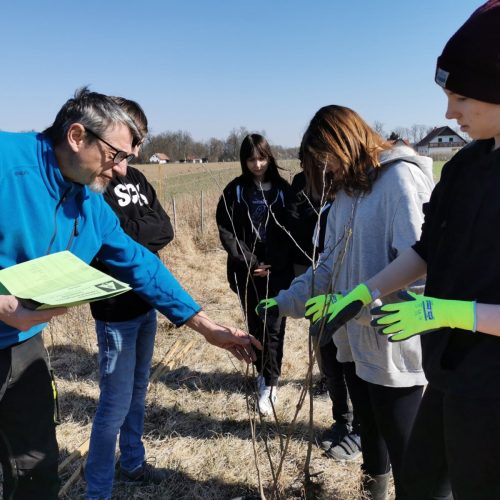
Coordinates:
[470,62]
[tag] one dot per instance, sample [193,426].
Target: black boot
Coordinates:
[377,487]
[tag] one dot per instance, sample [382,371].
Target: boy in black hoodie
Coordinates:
[126,329]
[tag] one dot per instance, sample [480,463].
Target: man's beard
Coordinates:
[99,185]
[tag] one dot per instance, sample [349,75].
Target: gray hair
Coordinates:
[94,111]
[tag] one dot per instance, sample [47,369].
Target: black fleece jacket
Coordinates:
[303,231]
[460,243]
[142,217]
[238,237]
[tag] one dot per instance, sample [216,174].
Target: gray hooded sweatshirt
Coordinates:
[383,223]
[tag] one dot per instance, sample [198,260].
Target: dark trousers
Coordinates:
[455,439]
[28,445]
[386,416]
[333,371]
[271,335]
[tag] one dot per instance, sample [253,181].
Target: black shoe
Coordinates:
[333,436]
[145,474]
[347,450]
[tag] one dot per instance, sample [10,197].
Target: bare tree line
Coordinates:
[415,133]
[180,145]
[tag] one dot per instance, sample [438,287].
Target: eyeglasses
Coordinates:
[119,155]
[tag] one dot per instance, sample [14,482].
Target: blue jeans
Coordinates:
[125,352]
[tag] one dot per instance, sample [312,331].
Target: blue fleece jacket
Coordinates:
[42,213]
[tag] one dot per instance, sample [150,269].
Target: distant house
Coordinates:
[440,143]
[191,159]
[159,158]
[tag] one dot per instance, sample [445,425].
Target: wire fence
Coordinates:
[190,192]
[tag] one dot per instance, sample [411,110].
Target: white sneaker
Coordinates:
[267,397]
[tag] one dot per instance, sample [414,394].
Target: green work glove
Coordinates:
[421,314]
[341,311]
[316,307]
[267,309]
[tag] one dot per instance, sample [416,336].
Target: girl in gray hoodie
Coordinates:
[377,192]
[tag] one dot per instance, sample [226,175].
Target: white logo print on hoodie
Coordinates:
[128,193]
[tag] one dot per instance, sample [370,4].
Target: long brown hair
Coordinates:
[340,148]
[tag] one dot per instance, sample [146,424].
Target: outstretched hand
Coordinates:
[14,314]
[236,341]
[239,343]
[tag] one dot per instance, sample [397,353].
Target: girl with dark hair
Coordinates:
[377,192]
[252,216]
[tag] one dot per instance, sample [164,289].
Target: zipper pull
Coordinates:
[75,228]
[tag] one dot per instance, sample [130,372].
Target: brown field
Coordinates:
[155,172]
[172,180]
[197,421]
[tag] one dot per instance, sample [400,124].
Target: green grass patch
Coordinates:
[436,168]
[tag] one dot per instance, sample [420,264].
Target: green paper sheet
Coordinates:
[58,280]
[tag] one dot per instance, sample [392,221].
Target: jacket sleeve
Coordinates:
[238,251]
[153,229]
[142,270]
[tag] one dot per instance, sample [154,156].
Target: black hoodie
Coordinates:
[460,243]
[135,203]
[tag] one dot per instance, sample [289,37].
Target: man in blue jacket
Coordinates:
[49,185]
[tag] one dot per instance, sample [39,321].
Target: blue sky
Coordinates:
[208,66]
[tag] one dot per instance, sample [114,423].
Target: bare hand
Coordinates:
[14,314]
[237,342]
[262,270]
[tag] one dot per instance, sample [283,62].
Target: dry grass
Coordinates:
[197,421]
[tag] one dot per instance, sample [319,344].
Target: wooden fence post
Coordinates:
[175,215]
[202,213]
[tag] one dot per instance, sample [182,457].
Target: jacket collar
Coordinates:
[56,184]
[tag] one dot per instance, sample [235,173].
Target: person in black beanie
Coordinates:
[454,447]
[470,62]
